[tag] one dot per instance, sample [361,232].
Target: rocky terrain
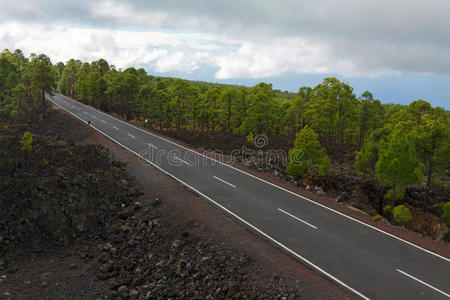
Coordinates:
[57,192]
[139,260]
[75,225]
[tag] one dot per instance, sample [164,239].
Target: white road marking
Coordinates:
[103,121]
[232,185]
[151,145]
[85,112]
[131,135]
[115,128]
[182,161]
[79,108]
[277,186]
[297,218]
[228,211]
[424,283]
[93,116]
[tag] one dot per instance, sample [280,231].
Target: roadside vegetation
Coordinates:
[75,224]
[404,150]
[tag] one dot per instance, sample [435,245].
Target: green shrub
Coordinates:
[399,194]
[26,141]
[376,218]
[307,156]
[387,208]
[401,214]
[446,211]
[250,138]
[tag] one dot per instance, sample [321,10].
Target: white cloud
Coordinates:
[267,38]
[241,38]
[279,55]
[175,62]
[125,13]
[121,48]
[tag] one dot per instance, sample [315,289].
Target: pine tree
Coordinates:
[398,167]
[307,156]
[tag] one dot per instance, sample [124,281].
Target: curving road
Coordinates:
[370,263]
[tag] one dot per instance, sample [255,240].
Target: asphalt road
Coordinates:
[362,259]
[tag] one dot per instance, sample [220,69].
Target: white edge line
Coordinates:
[151,145]
[297,218]
[131,135]
[182,161]
[272,184]
[233,214]
[424,283]
[232,185]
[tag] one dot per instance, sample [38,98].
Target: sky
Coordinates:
[398,50]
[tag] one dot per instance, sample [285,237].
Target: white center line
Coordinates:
[85,112]
[115,128]
[93,116]
[298,219]
[232,185]
[151,145]
[422,282]
[131,135]
[79,108]
[103,121]
[182,161]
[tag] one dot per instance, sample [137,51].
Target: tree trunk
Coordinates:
[43,102]
[229,116]
[329,129]
[428,186]
[380,206]
[394,195]
[340,125]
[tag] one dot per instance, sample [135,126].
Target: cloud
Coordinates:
[349,37]
[123,49]
[176,62]
[241,38]
[254,60]
[126,14]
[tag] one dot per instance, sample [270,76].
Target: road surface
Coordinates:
[368,262]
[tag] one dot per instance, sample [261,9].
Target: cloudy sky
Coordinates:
[399,50]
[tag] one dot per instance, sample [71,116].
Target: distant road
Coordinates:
[362,259]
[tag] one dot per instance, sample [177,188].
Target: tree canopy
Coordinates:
[327,115]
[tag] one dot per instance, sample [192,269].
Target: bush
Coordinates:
[250,138]
[399,194]
[377,218]
[26,141]
[307,157]
[401,214]
[446,211]
[387,208]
